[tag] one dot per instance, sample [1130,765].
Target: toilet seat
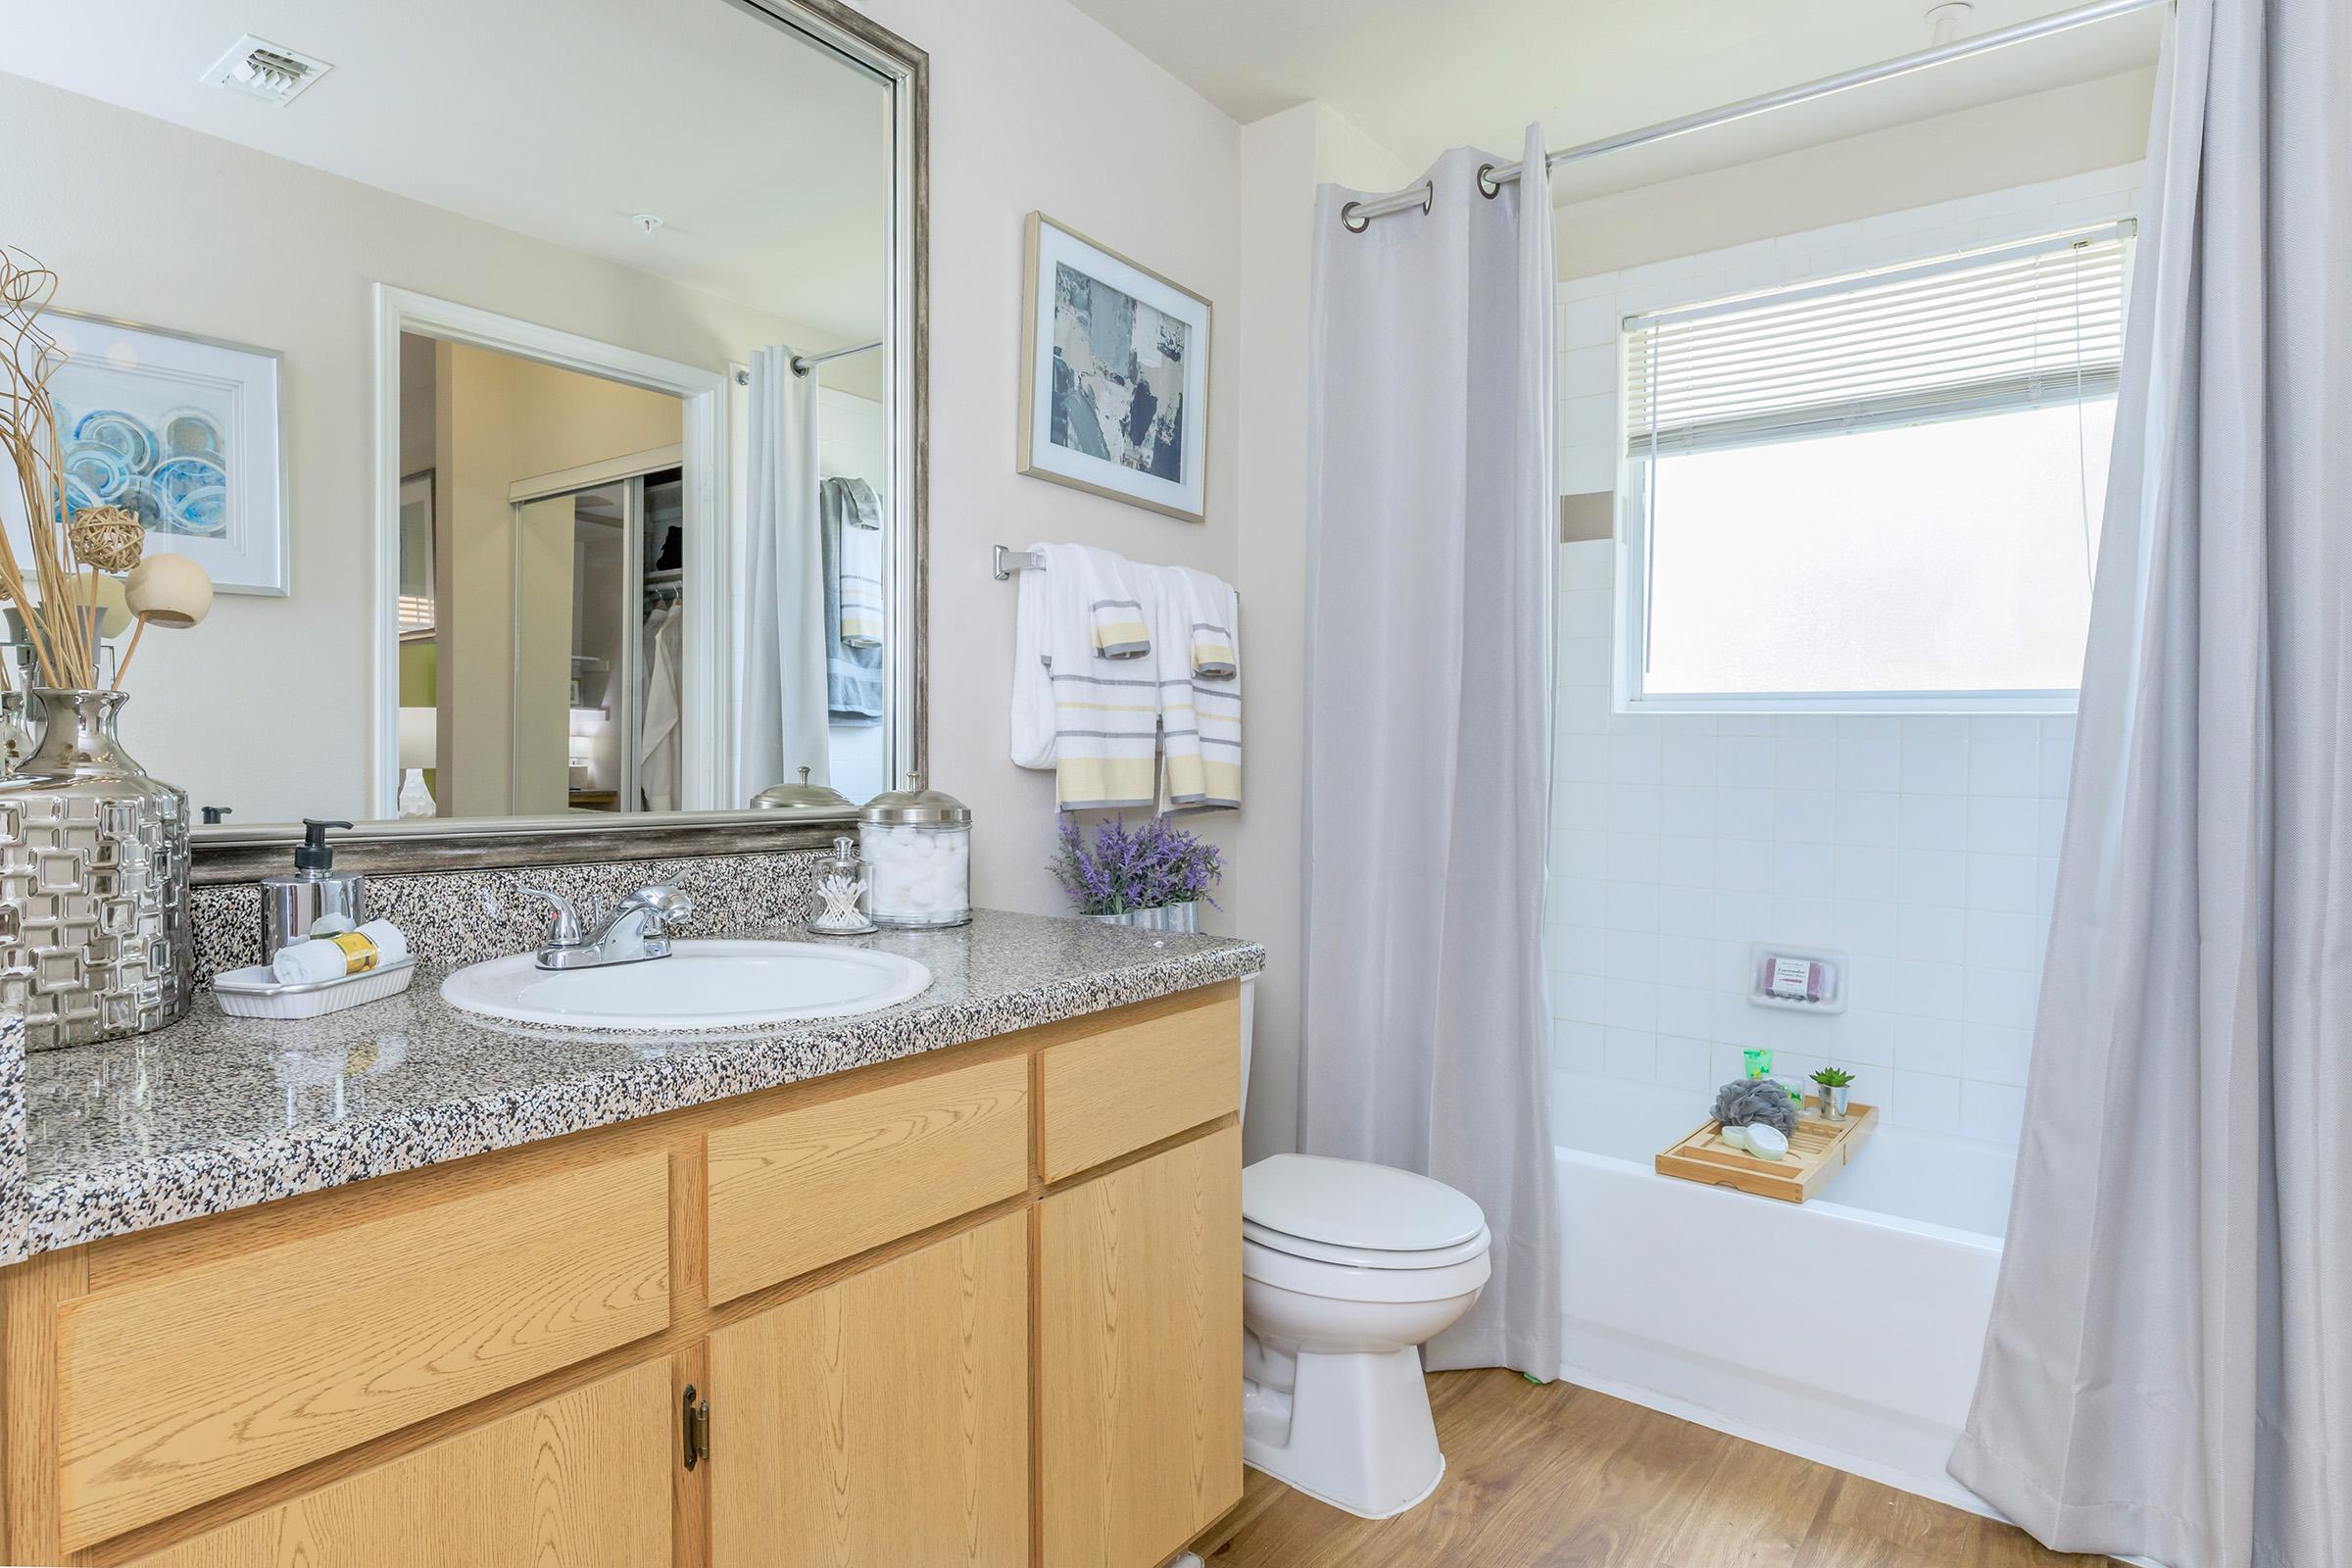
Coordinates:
[1356,1215]
[1302,1246]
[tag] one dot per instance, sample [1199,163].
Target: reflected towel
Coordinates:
[852,506]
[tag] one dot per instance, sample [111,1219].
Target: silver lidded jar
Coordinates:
[917,848]
[95,942]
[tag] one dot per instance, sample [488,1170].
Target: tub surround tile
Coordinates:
[216,1113]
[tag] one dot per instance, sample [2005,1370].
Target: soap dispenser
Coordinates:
[317,901]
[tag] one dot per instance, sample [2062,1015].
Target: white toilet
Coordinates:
[1347,1270]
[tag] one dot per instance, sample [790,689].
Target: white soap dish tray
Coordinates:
[256,993]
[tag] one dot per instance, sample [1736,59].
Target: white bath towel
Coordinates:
[1095,723]
[1198,662]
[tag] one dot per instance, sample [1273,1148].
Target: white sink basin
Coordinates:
[700,985]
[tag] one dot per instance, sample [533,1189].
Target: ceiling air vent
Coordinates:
[269,72]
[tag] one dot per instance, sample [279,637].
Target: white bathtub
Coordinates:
[1845,1330]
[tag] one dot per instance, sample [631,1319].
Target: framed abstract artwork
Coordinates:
[1114,375]
[182,432]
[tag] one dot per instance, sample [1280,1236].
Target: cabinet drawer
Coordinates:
[804,1188]
[581,1480]
[1167,1066]
[186,1385]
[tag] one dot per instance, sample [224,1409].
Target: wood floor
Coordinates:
[1566,1478]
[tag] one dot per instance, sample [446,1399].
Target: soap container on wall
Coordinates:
[917,848]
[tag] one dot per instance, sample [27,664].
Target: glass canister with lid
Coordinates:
[917,848]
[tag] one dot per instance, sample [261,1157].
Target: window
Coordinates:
[1874,494]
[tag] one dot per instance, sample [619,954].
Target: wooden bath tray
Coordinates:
[1818,1150]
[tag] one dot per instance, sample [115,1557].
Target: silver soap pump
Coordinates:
[317,899]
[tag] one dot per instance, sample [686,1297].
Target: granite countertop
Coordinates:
[215,1114]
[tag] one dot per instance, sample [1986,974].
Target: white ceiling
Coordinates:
[766,157]
[1419,76]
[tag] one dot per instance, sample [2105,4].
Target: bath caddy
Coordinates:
[1818,1150]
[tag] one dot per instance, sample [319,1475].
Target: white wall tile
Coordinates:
[1922,846]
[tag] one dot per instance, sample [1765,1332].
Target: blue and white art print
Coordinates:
[181,433]
[1115,388]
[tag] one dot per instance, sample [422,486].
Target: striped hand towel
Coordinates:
[1199,712]
[1107,587]
[1070,713]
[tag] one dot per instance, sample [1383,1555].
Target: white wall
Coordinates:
[1993,147]
[1035,106]
[1924,846]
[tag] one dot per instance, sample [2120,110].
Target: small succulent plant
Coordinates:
[1833,1077]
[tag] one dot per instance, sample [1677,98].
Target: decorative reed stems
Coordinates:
[60,609]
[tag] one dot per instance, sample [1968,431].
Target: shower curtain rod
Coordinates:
[803,364]
[1357,216]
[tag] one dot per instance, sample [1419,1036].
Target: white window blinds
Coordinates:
[2020,327]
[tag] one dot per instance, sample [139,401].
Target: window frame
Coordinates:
[1629,583]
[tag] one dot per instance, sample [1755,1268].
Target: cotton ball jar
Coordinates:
[917,848]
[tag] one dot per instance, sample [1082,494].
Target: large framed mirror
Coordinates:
[543,388]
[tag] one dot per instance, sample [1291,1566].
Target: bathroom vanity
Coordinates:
[953,1282]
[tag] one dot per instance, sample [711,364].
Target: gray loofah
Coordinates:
[1747,1100]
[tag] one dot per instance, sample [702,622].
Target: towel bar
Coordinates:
[1003,563]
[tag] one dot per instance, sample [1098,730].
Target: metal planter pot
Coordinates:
[1166,917]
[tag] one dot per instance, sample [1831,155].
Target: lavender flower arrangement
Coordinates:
[1149,868]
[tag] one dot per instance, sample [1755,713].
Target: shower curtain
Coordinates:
[2169,1371]
[783,706]
[1425,1033]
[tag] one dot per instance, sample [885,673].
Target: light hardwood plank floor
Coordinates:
[1561,1476]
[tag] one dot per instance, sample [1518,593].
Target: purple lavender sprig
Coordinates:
[1143,869]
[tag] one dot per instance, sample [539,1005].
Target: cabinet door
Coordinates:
[881,1420]
[580,1481]
[1140,1360]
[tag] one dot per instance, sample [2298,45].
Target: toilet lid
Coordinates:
[1345,1204]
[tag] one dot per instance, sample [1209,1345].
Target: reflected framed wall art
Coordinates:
[1114,375]
[182,432]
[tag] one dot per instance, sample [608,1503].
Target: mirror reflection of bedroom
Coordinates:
[541,615]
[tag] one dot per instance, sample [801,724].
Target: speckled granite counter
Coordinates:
[215,1114]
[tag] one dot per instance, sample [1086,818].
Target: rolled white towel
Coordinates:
[371,946]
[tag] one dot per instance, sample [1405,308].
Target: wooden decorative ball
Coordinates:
[107,538]
[170,591]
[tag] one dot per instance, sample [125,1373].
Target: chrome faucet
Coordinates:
[637,929]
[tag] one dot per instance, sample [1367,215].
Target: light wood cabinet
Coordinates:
[978,1308]
[581,1480]
[884,1419]
[1140,1355]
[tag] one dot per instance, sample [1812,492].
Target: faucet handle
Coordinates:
[665,901]
[563,920]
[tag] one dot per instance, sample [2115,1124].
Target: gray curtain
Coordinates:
[2169,1372]
[1425,1030]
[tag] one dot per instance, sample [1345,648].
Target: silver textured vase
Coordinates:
[94,934]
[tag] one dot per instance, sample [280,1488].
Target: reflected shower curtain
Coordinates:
[2169,1371]
[783,707]
[1425,1035]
